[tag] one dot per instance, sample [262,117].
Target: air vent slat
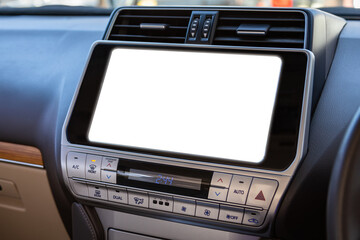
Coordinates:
[138,26]
[261,19]
[129,25]
[143,36]
[272,40]
[286,28]
[272,29]
[144,16]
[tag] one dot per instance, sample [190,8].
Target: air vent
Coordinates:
[285,29]
[161,25]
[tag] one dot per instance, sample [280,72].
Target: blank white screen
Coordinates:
[209,104]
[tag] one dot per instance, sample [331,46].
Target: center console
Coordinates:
[208,136]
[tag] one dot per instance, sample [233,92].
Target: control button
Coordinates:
[138,199]
[76,164]
[229,214]
[261,192]
[218,193]
[184,206]
[108,176]
[109,163]
[239,189]
[117,195]
[221,180]
[253,217]
[97,192]
[161,203]
[93,164]
[79,188]
[207,210]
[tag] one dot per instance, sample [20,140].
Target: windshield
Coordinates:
[118,3]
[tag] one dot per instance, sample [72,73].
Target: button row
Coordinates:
[245,190]
[92,167]
[172,204]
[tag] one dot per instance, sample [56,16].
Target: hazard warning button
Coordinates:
[261,192]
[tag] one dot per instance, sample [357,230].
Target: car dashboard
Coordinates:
[174,122]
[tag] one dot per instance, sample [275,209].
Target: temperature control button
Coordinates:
[221,180]
[239,189]
[93,165]
[253,217]
[76,164]
[218,193]
[108,176]
[184,206]
[138,199]
[109,163]
[207,210]
[261,192]
[229,214]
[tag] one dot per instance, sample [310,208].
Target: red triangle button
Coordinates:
[260,196]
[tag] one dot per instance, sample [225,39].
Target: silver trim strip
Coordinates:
[21,163]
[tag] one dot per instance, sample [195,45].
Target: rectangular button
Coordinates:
[221,180]
[261,192]
[254,217]
[76,164]
[109,163]
[108,176]
[239,189]
[184,206]
[229,214]
[207,210]
[93,165]
[218,193]
[116,195]
[138,199]
[161,203]
[97,192]
[79,188]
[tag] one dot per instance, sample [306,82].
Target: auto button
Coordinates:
[239,189]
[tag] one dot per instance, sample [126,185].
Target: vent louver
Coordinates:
[151,25]
[286,29]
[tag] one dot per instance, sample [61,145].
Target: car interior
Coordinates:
[201,120]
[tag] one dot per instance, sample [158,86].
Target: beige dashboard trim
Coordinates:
[16,153]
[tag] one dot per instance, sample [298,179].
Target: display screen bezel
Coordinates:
[284,131]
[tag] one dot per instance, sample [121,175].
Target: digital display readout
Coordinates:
[164,179]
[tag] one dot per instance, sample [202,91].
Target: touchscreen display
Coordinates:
[211,104]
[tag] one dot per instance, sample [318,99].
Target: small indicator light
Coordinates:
[93,160]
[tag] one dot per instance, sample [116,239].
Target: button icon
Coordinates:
[220,180]
[239,191]
[231,217]
[260,196]
[253,220]
[183,209]
[207,212]
[217,193]
[138,201]
[108,176]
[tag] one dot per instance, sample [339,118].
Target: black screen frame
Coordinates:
[284,131]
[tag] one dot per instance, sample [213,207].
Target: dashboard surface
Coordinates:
[42,60]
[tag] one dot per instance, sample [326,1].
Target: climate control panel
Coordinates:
[231,198]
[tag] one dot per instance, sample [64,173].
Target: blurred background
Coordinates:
[118,3]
